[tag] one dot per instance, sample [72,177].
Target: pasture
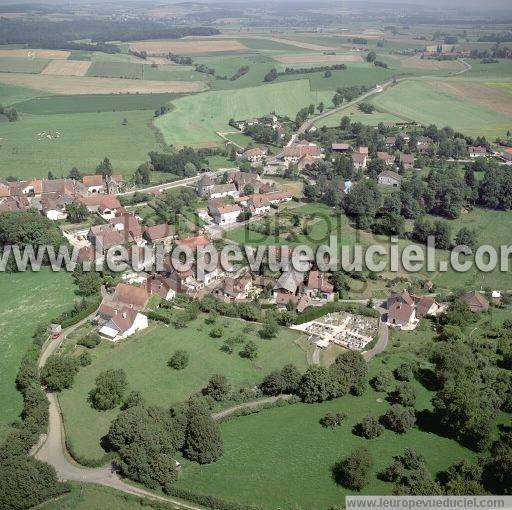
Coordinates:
[28,299]
[11,94]
[22,65]
[69,85]
[116,70]
[283,458]
[430,104]
[93,103]
[195,120]
[144,358]
[86,138]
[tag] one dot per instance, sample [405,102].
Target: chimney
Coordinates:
[124,315]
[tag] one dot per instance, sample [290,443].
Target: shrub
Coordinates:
[90,341]
[179,360]
[218,387]
[109,390]
[353,472]
[249,351]
[203,439]
[369,428]
[332,420]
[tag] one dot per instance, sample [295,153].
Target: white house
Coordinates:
[224,190]
[122,324]
[93,183]
[223,215]
[390,178]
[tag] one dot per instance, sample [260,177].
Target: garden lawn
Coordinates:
[195,120]
[85,139]
[418,100]
[144,358]
[28,299]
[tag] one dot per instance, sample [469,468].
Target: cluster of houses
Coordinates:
[271,120]
[51,196]
[404,310]
[246,192]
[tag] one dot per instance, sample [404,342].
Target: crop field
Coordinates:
[186,47]
[317,57]
[501,70]
[69,85]
[116,70]
[94,103]
[144,358]
[427,104]
[428,64]
[197,119]
[266,453]
[86,138]
[67,68]
[22,65]
[289,41]
[30,53]
[28,299]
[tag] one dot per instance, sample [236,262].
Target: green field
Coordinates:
[28,299]
[171,73]
[94,103]
[196,119]
[419,101]
[109,69]
[95,497]
[357,115]
[282,457]
[10,94]
[22,65]
[144,358]
[85,139]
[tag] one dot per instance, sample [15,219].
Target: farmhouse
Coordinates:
[359,160]
[477,152]
[318,287]
[390,178]
[426,306]
[205,185]
[340,147]
[293,153]
[93,183]
[235,288]
[121,314]
[476,302]
[255,155]
[223,190]
[105,205]
[166,288]
[223,215]
[402,316]
[389,159]
[194,242]
[406,160]
[161,233]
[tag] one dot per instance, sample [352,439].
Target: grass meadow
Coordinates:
[94,103]
[195,120]
[28,299]
[144,358]
[85,139]
[282,457]
[116,70]
[419,101]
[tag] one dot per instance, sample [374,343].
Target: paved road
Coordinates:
[382,342]
[175,184]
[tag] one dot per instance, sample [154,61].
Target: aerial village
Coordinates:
[234,197]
